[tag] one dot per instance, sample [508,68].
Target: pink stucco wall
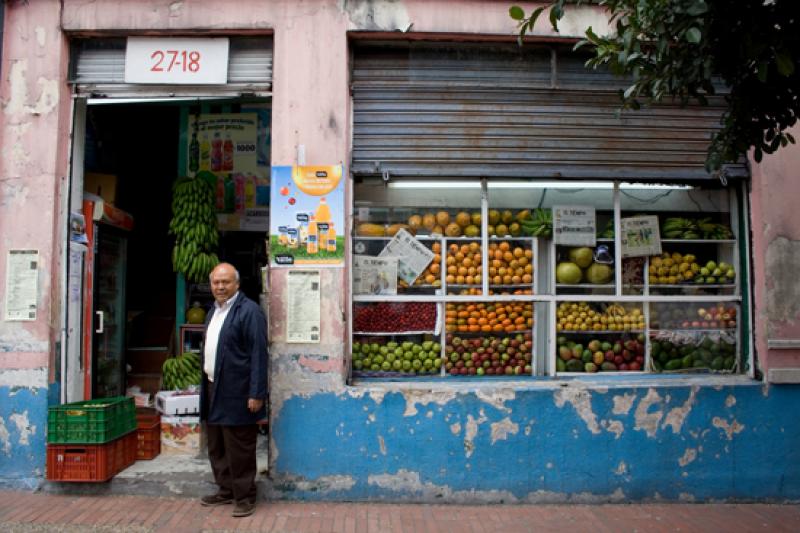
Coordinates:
[776,254]
[33,146]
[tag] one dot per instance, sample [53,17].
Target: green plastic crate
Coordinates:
[91,422]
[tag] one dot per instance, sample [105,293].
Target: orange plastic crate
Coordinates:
[91,462]
[149,440]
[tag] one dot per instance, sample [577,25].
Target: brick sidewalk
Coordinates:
[29,512]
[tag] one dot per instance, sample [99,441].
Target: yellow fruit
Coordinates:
[494,217]
[370,230]
[507,216]
[415,221]
[392,230]
[453,230]
[472,231]
[463,219]
[476,218]
[437,230]
[501,230]
[429,221]
[442,218]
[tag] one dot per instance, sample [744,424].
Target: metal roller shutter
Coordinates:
[98,69]
[476,110]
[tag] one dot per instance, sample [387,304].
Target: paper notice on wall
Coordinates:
[640,236]
[303,307]
[412,256]
[22,283]
[574,225]
[374,275]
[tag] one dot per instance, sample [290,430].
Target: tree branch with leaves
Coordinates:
[686,49]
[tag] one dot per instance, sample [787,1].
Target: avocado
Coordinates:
[608,366]
[717,363]
[674,364]
[560,365]
[729,362]
[687,361]
[574,365]
[699,363]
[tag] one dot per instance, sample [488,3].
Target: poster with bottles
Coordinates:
[224,149]
[307,222]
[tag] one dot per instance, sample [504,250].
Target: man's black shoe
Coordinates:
[215,499]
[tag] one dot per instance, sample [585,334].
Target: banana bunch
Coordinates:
[615,310]
[680,228]
[180,372]
[539,225]
[194,225]
[713,230]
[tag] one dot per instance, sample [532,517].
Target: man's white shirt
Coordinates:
[212,334]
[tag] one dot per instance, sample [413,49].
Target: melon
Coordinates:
[568,273]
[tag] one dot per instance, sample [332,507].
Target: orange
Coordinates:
[453,248]
[519,252]
[467,262]
[460,279]
[450,279]
[436,248]
[434,268]
[508,257]
[474,246]
[529,254]
[527,278]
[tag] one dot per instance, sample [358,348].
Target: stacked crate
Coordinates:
[148,432]
[91,440]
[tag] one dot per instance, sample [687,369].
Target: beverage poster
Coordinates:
[224,149]
[307,216]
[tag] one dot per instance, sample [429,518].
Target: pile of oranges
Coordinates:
[489,316]
[463,264]
[509,266]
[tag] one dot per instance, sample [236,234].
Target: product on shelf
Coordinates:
[587,353]
[432,273]
[463,264]
[697,351]
[488,317]
[674,268]
[538,224]
[510,264]
[582,265]
[376,355]
[689,228]
[581,316]
[704,315]
[508,355]
[394,317]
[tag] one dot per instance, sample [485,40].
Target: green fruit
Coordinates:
[574,365]
[582,256]
[568,273]
[674,364]
[560,365]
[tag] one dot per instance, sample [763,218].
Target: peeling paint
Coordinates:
[676,416]
[388,15]
[581,400]
[730,401]
[24,427]
[622,468]
[382,444]
[28,378]
[613,426]
[497,398]
[455,428]
[544,496]
[646,420]
[406,481]
[319,364]
[424,397]
[729,428]
[688,456]
[623,404]
[501,430]
[5,437]
[41,35]
[17,103]
[686,497]
[470,432]
[326,484]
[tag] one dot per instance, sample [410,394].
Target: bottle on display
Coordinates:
[227,153]
[250,191]
[194,153]
[216,153]
[205,153]
[331,238]
[323,213]
[312,238]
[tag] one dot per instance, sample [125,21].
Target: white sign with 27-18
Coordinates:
[192,61]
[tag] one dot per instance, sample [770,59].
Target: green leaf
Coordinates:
[698,8]
[693,35]
[516,12]
[591,35]
[555,16]
[783,60]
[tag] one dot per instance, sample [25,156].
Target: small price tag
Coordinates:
[191,61]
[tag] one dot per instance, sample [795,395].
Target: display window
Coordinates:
[486,278]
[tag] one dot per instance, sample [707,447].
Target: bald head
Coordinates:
[224,282]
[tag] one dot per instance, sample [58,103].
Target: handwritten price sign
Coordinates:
[176,61]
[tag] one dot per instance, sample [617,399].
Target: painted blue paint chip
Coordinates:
[23,416]
[574,444]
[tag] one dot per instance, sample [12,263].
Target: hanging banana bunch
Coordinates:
[194,225]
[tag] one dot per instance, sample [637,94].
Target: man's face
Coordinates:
[223,283]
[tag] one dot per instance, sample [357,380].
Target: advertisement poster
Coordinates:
[22,284]
[574,225]
[307,223]
[303,307]
[640,236]
[226,150]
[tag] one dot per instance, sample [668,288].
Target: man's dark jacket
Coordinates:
[240,369]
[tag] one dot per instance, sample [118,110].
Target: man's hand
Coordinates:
[254,405]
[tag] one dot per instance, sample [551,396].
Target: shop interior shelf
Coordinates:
[693,330]
[390,333]
[600,332]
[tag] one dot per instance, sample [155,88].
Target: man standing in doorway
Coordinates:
[234,392]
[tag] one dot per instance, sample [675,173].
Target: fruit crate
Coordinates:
[149,440]
[91,462]
[91,422]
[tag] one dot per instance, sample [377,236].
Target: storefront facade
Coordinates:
[342,91]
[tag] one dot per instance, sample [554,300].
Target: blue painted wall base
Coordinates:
[23,425]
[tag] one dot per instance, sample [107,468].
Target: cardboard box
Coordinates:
[171,402]
[103,185]
[180,435]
